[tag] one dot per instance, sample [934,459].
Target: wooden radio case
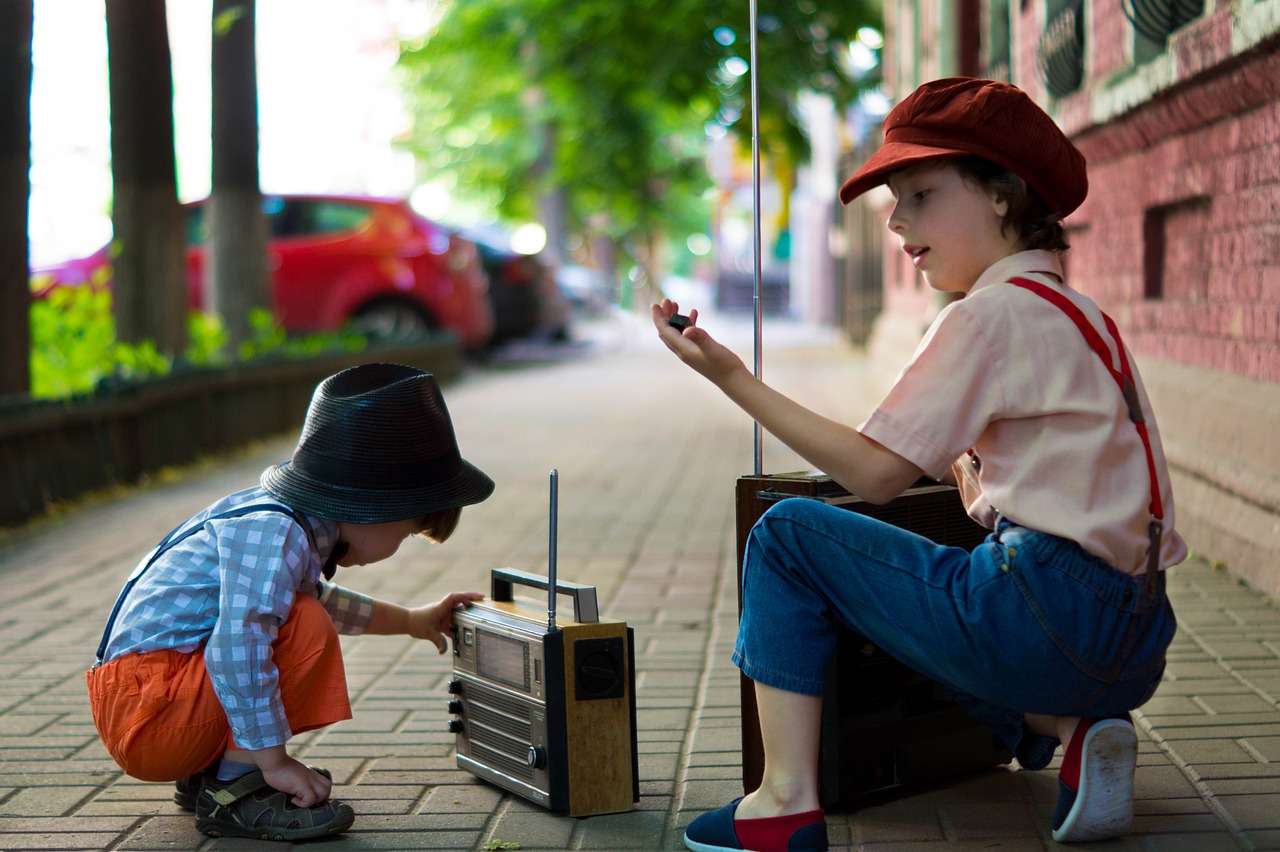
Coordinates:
[884,726]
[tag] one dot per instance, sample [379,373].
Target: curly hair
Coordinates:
[1036,226]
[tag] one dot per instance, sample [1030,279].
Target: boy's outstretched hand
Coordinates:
[435,621]
[694,346]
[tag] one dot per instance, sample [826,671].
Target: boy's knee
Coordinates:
[784,513]
[792,509]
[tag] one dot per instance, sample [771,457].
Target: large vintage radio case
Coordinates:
[884,726]
[546,711]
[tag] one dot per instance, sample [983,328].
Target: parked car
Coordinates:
[334,260]
[523,293]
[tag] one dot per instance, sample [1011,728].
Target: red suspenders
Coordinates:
[1124,378]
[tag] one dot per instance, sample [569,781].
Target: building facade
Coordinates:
[1176,106]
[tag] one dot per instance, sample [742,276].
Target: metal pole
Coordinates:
[551,554]
[755,224]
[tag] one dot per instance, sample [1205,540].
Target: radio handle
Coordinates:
[585,610]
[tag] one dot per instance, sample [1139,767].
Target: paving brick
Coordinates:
[533,830]
[1009,845]
[16,825]
[636,830]
[977,820]
[462,798]
[898,822]
[164,832]
[1212,751]
[1240,703]
[44,801]
[63,840]
[24,724]
[1253,811]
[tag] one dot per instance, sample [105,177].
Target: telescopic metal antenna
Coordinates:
[755,224]
[551,555]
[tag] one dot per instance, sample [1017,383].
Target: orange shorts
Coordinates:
[160,719]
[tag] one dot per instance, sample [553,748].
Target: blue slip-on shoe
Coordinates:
[718,831]
[1095,784]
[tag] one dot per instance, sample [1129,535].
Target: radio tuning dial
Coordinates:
[455,726]
[455,707]
[537,757]
[455,687]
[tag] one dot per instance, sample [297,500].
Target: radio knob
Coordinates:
[455,707]
[537,757]
[455,687]
[455,726]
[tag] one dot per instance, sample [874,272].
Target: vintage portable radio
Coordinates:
[884,726]
[546,709]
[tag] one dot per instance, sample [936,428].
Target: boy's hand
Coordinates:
[305,785]
[433,622]
[694,346]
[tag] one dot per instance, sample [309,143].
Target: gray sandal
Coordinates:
[249,807]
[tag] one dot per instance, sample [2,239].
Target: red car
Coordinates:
[338,259]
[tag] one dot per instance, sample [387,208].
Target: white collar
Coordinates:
[1019,263]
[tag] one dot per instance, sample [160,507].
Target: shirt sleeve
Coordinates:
[350,610]
[945,397]
[262,560]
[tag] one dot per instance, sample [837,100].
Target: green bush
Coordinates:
[74,346]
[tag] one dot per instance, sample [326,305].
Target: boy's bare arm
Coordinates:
[860,464]
[425,622]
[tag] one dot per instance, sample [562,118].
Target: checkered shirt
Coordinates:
[229,588]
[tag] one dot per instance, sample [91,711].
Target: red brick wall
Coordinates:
[1186,183]
[1105,34]
[1198,170]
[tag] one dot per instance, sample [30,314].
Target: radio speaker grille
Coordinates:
[499,731]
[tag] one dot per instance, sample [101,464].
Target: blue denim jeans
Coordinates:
[1025,623]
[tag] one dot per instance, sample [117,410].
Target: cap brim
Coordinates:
[890,157]
[373,506]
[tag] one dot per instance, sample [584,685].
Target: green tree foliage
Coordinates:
[616,95]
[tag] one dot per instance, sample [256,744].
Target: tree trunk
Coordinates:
[238,275]
[148,267]
[604,250]
[15,188]
[553,200]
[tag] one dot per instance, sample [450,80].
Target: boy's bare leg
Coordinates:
[790,725]
[1061,727]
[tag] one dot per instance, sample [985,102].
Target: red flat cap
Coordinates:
[958,116]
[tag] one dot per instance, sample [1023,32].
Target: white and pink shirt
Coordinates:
[1006,374]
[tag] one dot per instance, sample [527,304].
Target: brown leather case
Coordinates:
[885,728]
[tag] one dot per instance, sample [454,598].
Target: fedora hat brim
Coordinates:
[374,505]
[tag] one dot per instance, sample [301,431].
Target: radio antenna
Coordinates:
[551,554]
[755,225]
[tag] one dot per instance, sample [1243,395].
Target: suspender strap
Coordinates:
[178,535]
[1123,377]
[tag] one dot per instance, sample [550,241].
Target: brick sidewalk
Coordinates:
[647,457]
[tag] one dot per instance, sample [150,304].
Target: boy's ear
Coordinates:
[1000,205]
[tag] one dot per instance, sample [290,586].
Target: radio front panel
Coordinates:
[499,652]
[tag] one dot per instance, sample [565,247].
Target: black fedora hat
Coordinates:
[377,446]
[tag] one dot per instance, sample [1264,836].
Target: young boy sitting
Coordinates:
[223,643]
